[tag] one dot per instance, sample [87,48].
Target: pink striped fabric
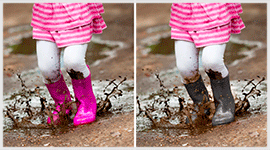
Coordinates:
[203,38]
[62,16]
[79,35]
[200,16]
[205,23]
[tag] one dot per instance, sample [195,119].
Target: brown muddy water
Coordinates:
[165,46]
[95,51]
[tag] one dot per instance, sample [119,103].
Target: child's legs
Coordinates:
[48,56]
[213,62]
[187,61]
[74,59]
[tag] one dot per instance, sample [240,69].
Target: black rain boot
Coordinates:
[224,101]
[197,92]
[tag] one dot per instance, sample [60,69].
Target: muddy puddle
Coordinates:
[95,51]
[234,49]
[174,125]
[122,101]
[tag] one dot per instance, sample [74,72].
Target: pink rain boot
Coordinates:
[60,94]
[86,112]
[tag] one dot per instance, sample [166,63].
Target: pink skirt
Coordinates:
[64,38]
[202,38]
[196,20]
[67,23]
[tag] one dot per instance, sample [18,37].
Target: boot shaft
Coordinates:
[87,108]
[197,91]
[59,91]
[222,92]
[84,92]
[225,105]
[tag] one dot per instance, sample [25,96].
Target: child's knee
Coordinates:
[50,74]
[213,57]
[188,74]
[75,74]
[191,78]
[215,68]
[72,62]
[75,68]
[212,63]
[187,68]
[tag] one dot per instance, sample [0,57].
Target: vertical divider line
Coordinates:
[135,78]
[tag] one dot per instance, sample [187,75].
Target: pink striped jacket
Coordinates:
[62,16]
[201,16]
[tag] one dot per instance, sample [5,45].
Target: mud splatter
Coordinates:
[75,74]
[215,75]
[192,79]
[163,112]
[28,112]
[23,113]
[105,104]
[243,105]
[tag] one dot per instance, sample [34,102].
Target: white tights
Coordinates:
[187,60]
[48,56]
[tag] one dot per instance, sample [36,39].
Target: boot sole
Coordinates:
[215,123]
[83,122]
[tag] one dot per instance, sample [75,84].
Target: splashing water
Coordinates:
[120,104]
[258,104]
